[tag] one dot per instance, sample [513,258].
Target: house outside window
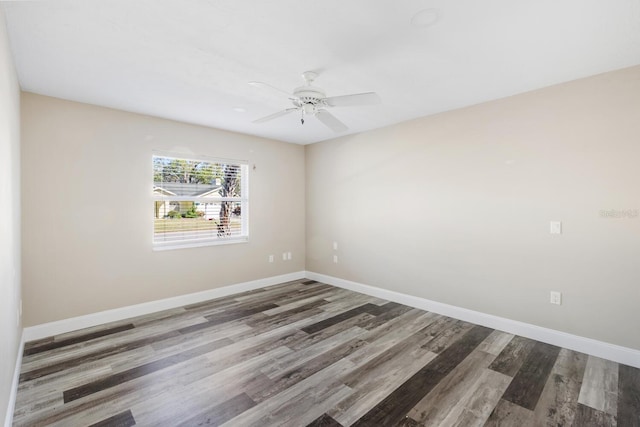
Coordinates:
[199,201]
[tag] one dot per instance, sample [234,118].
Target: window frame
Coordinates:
[243,200]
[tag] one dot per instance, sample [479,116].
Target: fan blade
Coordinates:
[259,84]
[275,115]
[330,121]
[368,98]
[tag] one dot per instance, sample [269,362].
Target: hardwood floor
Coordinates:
[308,354]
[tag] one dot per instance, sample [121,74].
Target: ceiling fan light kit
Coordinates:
[312,101]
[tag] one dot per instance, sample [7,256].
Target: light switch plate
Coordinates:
[556,298]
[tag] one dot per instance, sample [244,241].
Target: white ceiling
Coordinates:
[191,60]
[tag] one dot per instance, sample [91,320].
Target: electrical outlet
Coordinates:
[335,259]
[270,258]
[556,298]
[284,256]
[555,227]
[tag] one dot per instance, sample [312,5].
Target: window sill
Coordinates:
[186,245]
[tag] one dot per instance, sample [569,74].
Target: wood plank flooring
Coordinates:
[305,353]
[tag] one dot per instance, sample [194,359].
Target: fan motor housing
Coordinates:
[309,95]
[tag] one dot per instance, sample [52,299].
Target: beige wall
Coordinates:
[82,255]
[456,207]
[10,327]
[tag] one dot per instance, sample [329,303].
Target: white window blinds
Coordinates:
[199,202]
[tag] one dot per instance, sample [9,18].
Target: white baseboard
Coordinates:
[72,324]
[625,355]
[616,353]
[8,419]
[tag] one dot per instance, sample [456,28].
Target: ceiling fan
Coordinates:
[311,101]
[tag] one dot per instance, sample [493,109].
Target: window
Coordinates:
[199,202]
